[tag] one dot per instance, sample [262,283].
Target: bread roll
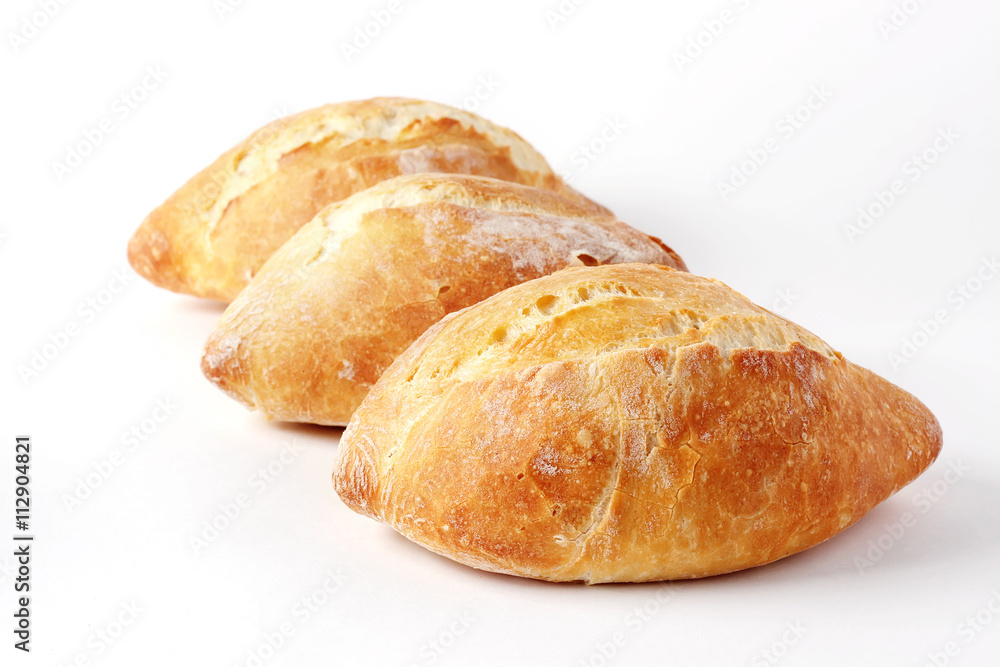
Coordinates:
[211,236]
[354,287]
[626,423]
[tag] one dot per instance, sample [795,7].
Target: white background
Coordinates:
[780,239]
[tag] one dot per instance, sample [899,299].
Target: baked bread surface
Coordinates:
[353,288]
[212,235]
[626,423]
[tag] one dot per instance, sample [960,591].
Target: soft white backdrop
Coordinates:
[683,126]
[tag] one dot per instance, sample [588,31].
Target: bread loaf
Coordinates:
[211,236]
[354,287]
[626,423]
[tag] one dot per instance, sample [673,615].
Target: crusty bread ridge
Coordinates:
[328,313]
[626,423]
[211,236]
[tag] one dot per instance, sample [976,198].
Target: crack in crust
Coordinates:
[748,327]
[339,125]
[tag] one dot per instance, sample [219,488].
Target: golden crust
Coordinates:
[354,287]
[212,235]
[626,423]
